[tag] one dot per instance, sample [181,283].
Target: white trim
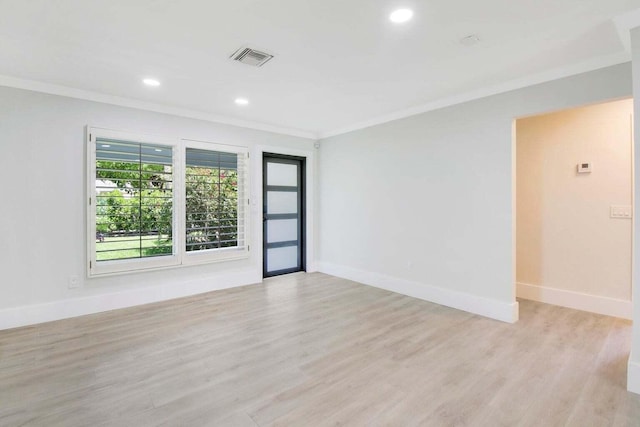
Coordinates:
[226,254]
[180,257]
[555,74]
[576,300]
[633,375]
[514,228]
[494,309]
[256,205]
[95,269]
[70,92]
[63,309]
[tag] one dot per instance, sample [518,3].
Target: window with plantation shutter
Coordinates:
[211,200]
[134,200]
[216,204]
[163,202]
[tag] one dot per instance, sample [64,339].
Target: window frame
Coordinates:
[221,254]
[179,257]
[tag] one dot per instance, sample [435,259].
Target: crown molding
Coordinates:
[70,92]
[623,24]
[547,76]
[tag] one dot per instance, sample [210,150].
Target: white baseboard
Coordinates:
[579,301]
[499,310]
[311,267]
[633,375]
[38,313]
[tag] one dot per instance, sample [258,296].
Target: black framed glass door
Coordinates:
[283,214]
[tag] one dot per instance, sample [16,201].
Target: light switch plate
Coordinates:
[621,211]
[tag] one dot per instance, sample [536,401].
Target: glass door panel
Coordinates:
[283,183]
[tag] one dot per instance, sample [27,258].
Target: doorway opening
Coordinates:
[574,208]
[283,214]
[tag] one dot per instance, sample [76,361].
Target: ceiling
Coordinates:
[338,64]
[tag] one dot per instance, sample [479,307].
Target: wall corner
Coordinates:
[633,375]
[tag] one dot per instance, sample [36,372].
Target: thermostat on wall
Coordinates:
[584,167]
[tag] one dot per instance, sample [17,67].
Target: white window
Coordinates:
[216,202]
[157,202]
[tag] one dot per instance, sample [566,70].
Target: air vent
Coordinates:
[250,56]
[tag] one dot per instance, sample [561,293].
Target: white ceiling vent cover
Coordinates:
[249,56]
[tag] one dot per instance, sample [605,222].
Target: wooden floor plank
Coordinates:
[311,349]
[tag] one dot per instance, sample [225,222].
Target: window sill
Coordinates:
[118,268]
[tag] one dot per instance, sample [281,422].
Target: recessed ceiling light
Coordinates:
[242,101]
[151,82]
[158,150]
[106,146]
[401,15]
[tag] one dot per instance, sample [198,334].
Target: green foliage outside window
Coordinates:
[211,208]
[135,218]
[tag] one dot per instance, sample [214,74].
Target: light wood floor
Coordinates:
[306,350]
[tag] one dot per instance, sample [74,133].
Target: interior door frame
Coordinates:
[309,154]
[302,196]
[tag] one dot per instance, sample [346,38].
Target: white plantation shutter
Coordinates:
[131,202]
[214,201]
[157,202]
[134,190]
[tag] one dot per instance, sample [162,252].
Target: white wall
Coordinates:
[424,205]
[42,219]
[633,373]
[569,250]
